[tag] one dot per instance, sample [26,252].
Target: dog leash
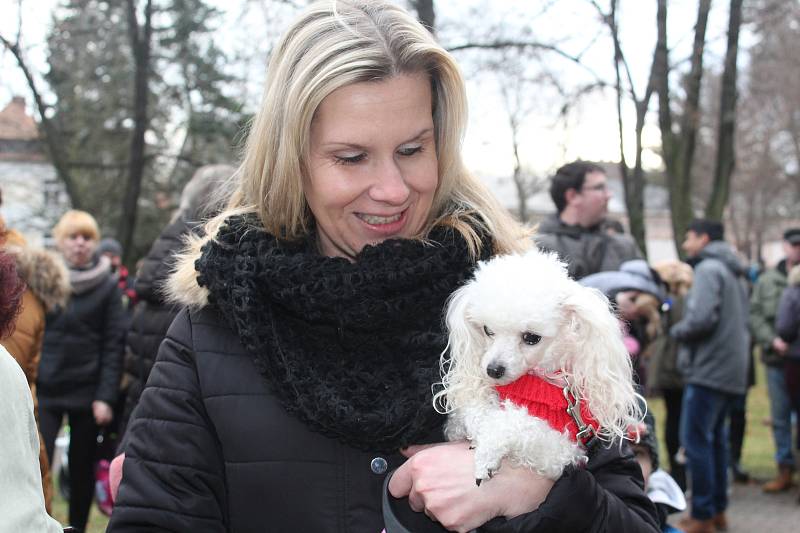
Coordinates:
[390,522]
[586,434]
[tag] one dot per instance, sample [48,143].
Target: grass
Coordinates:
[97,520]
[758,452]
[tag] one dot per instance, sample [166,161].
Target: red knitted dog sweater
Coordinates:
[545,401]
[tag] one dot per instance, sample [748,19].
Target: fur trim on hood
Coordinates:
[45,274]
[794,275]
[181,287]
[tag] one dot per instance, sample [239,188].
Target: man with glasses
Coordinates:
[581,194]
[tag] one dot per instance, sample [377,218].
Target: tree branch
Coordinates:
[51,136]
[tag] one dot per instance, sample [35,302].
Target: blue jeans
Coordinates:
[704,435]
[780,409]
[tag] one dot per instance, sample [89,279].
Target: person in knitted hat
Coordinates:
[112,249]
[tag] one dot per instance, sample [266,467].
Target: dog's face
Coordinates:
[514,305]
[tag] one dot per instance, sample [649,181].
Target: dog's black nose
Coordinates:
[496,371]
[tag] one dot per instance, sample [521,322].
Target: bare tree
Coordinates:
[141,37]
[678,148]
[52,137]
[726,156]
[515,89]
[632,179]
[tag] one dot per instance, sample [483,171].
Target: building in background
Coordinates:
[33,197]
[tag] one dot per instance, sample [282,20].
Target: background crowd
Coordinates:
[693,330]
[87,336]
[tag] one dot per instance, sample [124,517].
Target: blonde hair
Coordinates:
[648,307]
[335,43]
[76,221]
[676,274]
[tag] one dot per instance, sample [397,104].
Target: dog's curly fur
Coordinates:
[580,339]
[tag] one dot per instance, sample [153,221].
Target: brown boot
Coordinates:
[693,525]
[720,521]
[782,482]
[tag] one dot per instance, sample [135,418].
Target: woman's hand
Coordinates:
[439,480]
[103,414]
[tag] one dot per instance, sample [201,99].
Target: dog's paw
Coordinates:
[485,468]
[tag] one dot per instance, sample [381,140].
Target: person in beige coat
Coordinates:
[48,286]
[21,497]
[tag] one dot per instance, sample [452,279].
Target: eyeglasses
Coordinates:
[600,187]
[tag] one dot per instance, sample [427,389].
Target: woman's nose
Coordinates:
[389,184]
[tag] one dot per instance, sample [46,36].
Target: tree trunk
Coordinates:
[678,150]
[519,179]
[51,135]
[633,182]
[141,40]
[426,13]
[726,156]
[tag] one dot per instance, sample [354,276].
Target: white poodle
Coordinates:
[526,344]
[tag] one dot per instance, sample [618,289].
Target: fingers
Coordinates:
[416,448]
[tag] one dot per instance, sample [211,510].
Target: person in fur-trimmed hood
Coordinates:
[299,377]
[48,287]
[153,315]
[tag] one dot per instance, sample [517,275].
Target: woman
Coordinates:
[22,505]
[81,357]
[305,360]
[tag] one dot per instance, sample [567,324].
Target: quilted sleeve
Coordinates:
[607,495]
[173,474]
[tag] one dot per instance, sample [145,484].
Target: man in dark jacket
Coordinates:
[580,193]
[763,310]
[714,360]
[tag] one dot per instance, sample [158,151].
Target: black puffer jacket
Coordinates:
[152,315]
[230,458]
[82,349]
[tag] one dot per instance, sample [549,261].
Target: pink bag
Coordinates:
[102,487]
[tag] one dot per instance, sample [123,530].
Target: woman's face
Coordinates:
[372,163]
[77,248]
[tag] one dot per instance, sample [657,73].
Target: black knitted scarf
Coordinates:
[352,349]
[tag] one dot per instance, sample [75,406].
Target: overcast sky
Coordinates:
[590,131]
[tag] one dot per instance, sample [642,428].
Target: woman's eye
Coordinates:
[406,151]
[531,338]
[349,159]
[489,333]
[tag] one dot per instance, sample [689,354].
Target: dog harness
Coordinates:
[560,406]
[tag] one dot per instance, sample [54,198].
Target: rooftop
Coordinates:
[16,124]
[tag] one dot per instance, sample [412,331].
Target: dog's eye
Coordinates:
[489,333]
[531,338]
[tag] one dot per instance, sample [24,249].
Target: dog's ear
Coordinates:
[460,359]
[596,358]
[463,336]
